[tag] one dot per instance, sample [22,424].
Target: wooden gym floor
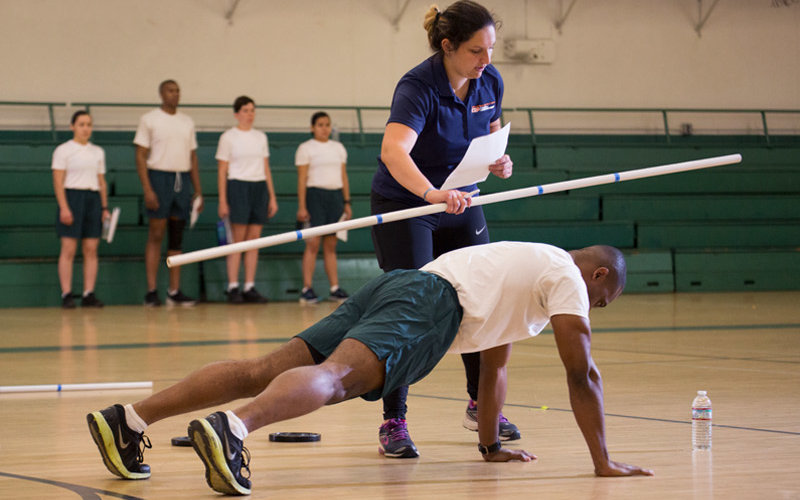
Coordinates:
[654,351]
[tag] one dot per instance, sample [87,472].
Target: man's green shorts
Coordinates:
[408,318]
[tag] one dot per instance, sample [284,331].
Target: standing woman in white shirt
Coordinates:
[79,183]
[246,194]
[323,196]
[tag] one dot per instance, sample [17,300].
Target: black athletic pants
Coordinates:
[412,243]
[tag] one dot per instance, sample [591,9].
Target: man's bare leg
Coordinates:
[350,371]
[222,382]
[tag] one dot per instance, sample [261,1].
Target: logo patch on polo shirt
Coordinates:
[483,107]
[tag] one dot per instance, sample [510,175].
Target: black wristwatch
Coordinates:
[485,450]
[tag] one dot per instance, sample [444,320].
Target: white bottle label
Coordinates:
[701,413]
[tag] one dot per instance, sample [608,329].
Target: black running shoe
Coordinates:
[308,297]
[253,297]
[179,299]
[339,295]
[235,296]
[122,449]
[223,454]
[90,300]
[67,302]
[151,299]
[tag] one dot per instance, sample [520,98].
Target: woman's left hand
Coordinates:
[503,167]
[348,212]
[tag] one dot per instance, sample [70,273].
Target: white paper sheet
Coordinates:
[342,235]
[482,152]
[195,211]
[110,226]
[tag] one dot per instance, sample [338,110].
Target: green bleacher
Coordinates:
[721,229]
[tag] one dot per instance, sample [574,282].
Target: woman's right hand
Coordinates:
[303,215]
[151,200]
[457,201]
[65,216]
[222,209]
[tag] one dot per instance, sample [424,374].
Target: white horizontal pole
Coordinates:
[373,220]
[76,387]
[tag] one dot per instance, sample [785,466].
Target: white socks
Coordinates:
[248,285]
[233,285]
[136,424]
[133,419]
[238,428]
[334,288]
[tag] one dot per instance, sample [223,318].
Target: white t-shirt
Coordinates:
[170,139]
[324,160]
[509,290]
[82,163]
[244,150]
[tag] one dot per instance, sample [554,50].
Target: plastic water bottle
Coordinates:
[223,233]
[701,422]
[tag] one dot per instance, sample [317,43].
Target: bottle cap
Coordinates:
[701,393]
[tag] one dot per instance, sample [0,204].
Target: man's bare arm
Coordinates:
[491,396]
[573,339]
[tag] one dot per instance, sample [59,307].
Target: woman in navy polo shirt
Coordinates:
[437,109]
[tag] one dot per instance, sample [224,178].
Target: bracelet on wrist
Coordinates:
[347,202]
[105,208]
[426,193]
[485,450]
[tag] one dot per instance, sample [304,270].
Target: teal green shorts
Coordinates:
[408,318]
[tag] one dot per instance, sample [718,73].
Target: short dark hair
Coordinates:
[614,260]
[457,23]
[165,82]
[77,115]
[316,116]
[241,101]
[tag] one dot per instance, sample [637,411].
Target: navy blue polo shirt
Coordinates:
[424,101]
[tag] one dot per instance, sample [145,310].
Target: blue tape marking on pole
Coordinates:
[380,219]
[299,235]
[541,189]
[59,388]
[616,177]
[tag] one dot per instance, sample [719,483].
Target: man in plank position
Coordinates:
[393,331]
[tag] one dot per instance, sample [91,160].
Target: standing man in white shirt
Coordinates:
[166,160]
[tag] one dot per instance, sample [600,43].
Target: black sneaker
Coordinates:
[253,297]
[395,441]
[121,448]
[309,297]
[67,302]
[151,299]
[90,300]
[179,299]
[507,431]
[235,296]
[339,295]
[223,454]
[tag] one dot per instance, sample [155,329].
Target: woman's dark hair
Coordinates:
[457,23]
[241,101]
[316,116]
[78,114]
